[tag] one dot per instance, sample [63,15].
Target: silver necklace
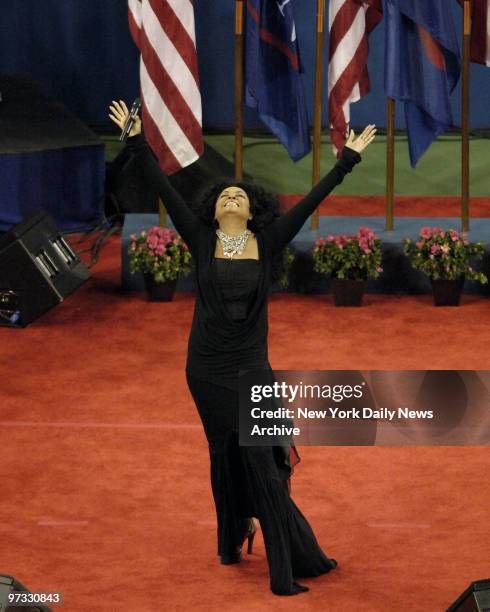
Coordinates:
[233,245]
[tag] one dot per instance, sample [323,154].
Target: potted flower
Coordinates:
[445,257]
[161,255]
[350,260]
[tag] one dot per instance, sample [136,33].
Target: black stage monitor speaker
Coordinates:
[10,586]
[38,269]
[476,598]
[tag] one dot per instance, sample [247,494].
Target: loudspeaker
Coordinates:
[476,598]
[9,586]
[38,269]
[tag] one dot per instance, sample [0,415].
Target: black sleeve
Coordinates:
[283,230]
[185,221]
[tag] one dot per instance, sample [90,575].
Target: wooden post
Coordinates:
[162,213]
[317,120]
[390,162]
[465,119]
[239,89]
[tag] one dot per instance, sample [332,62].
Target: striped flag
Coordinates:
[163,31]
[350,23]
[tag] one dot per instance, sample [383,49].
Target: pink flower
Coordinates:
[434,248]
[379,269]
[161,235]
[366,232]
[437,231]
[419,244]
[426,233]
[152,242]
[133,237]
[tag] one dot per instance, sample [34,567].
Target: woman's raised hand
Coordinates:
[363,140]
[120,113]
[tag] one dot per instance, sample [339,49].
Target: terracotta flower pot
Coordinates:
[347,292]
[447,292]
[159,292]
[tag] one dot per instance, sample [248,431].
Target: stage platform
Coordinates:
[398,276]
[48,160]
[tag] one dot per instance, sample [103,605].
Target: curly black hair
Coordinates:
[264,207]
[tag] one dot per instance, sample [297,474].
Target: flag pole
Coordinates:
[162,213]
[317,120]
[239,89]
[465,119]
[390,162]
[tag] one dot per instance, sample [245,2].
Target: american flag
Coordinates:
[163,31]
[350,23]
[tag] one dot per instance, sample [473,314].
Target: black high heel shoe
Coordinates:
[249,535]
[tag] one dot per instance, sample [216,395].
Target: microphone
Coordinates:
[133,113]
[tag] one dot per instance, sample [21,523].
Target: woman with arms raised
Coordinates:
[236,236]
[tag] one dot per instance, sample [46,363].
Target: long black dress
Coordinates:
[228,334]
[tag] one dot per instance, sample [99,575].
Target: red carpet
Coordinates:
[105,490]
[405,206]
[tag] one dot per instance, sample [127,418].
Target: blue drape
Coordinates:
[68,183]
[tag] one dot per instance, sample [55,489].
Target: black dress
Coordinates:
[228,334]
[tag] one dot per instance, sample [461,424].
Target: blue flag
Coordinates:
[421,67]
[273,84]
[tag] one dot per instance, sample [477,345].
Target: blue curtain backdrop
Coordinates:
[81,51]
